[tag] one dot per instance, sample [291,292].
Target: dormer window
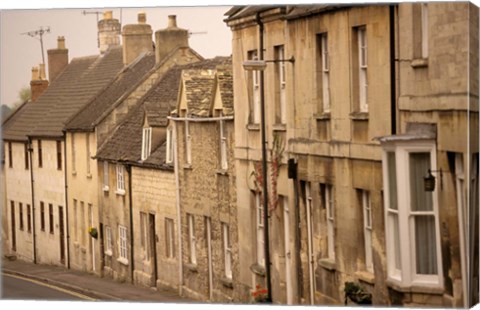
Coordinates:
[146,142]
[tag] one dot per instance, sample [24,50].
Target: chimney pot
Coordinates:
[172,21]
[42,72]
[107,15]
[142,18]
[61,42]
[35,73]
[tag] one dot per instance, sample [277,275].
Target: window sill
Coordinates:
[328,263]
[89,175]
[74,173]
[258,269]
[365,276]
[191,267]
[279,127]
[253,127]
[222,171]
[414,288]
[322,116]
[187,166]
[227,282]
[122,261]
[120,192]
[359,116]
[419,63]
[108,253]
[106,188]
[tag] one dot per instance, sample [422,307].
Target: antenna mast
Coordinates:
[97,13]
[39,33]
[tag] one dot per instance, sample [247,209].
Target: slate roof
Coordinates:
[124,83]
[77,85]
[125,143]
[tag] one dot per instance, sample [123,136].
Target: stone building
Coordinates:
[90,127]
[204,162]
[347,95]
[35,183]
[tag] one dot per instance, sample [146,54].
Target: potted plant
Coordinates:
[260,295]
[93,232]
[356,294]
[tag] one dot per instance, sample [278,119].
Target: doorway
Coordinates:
[62,234]
[152,244]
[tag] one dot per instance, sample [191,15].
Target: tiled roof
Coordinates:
[125,143]
[81,80]
[125,82]
[199,91]
[225,82]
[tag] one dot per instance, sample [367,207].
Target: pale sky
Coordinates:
[20,52]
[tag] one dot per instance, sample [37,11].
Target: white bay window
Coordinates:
[412,224]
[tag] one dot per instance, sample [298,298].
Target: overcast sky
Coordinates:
[20,52]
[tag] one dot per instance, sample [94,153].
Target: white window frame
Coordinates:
[223,146]
[120,179]
[122,245]
[282,83]
[192,240]
[325,73]
[227,250]
[403,270]
[108,240]
[169,154]
[330,220]
[367,229]
[74,160]
[169,238]
[253,55]
[188,144]
[424,14]
[146,142]
[362,68]
[260,229]
[106,176]
[87,139]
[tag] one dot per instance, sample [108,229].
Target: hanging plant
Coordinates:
[92,231]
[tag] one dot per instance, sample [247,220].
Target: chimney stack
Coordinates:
[57,59]
[108,32]
[137,38]
[168,39]
[38,84]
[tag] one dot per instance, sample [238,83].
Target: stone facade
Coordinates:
[339,199]
[154,199]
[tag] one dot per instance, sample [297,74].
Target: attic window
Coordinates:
[146,142]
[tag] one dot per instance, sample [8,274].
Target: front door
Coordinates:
[152,244]
[288,256]
[62,234]
[14,236]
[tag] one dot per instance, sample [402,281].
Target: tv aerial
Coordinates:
[38,34]
[96,13]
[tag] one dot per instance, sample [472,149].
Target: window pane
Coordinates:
[396,239]
[392,180]
[425,245]
[420,200]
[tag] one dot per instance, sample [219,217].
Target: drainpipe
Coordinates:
[179,215]
[66,198]
[129,170]
[264,165]
[393,84]
[30,151]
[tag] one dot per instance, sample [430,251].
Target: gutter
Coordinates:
[200,119]
[393,84]
[66,198]
[30,150]
[129,170]
[179,215]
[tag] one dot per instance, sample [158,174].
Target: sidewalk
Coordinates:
[103,289]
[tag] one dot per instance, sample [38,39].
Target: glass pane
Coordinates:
[425,244]
[420,200]
[392,180]
[396,240]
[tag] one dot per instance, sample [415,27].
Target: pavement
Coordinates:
[101,289]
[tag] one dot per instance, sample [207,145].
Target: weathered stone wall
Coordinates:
[154,192]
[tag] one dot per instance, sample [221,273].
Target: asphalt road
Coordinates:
[19,288]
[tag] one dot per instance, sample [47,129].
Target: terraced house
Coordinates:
[90,127]
[362,105]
